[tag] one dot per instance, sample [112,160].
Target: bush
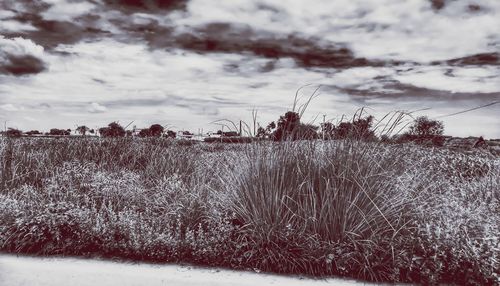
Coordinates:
[59,132]
[424,127]
[358,129]
[13,133]
[289,128]
[113,130]
[155,130]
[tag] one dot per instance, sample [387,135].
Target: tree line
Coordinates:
[287,128]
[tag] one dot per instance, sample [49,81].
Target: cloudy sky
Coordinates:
[186,63]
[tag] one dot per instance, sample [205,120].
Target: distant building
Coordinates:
[185,135]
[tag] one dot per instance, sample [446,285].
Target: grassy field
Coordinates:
[377,212]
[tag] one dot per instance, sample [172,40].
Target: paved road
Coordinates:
[36,271]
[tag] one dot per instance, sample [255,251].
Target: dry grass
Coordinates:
[365,210]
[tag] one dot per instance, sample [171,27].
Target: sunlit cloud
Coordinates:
[96,108]
[65,10]
[9,107]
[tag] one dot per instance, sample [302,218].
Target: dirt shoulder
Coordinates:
[43,271]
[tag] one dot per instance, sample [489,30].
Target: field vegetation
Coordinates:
[347,207]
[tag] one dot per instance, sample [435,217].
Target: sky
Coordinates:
[188,63]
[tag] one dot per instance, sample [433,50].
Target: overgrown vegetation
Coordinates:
[355,208]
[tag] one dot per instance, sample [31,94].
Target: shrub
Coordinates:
[155,130]
[424,127]
[145,133]
[13,133]
[290,128]
[59,132]
[113,130]
[171,134]
[358,129]
[82,130]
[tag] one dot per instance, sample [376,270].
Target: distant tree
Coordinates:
[286,126]
[13,133]
[359,129]
[305,131]
[146,132]
[328,130]
[266,132]
[59,132]
[289,127]
[425,127]
[362,128]
[271,126]
[91,131]
[261,132]
[156,130]
[480,143]
[82,130]
[424,131]
[33,132]
[112,130]
[171,134]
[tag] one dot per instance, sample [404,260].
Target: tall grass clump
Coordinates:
[328,193]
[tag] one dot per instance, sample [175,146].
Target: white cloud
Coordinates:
[9,107]
[96,108]
[64,10]
[18,47]
[462,79]
[6,14]
[15,26]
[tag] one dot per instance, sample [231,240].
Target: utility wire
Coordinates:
[471,109]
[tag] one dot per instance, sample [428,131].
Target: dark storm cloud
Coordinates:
[441,4]
[28,6]
[148,5]
[156,35]
[398,90]
[438,4]
[476,60]
[54,28]
[306,51]
[51,32]
[21,65]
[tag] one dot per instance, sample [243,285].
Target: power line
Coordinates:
[467,110]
